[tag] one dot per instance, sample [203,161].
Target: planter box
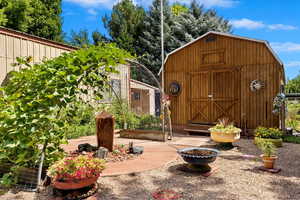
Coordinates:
[225,137]
[143,135]
[276,142]
[26,176]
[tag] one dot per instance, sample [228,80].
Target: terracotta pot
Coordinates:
[74,183]
[225,137]
[268,161]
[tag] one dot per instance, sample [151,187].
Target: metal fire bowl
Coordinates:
[197,159]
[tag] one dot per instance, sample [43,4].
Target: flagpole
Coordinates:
[162,63]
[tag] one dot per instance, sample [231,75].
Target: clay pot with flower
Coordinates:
[75,172]
[269,153]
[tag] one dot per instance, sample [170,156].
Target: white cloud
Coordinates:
[93,3]
[286,46]
[92,11]
[210,3]
[247,23]
[281,27]
[251,24]
[293,64]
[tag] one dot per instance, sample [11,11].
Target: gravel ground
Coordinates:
[236,178]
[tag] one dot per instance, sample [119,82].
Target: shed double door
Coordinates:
[214,94]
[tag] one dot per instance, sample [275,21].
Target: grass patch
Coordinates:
[291,139]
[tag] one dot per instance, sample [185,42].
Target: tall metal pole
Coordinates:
[162,61]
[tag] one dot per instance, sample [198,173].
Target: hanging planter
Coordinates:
[278,103]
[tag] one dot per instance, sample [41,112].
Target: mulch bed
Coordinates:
[119,154]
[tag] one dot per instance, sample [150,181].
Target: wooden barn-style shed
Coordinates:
[223,75]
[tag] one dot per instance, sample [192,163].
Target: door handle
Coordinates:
[210,96]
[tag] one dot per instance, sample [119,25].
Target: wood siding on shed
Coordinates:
[253,59]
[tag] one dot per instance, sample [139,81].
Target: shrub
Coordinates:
[120,109]
[34,97]
[79,167]
[225,126]
[270,133]
[268,148]
[149,122]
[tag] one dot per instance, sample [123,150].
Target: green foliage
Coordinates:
[225,126]
[33,100]
[268,148]
[179,29]
[293,116]
[149,122]
[271,133]
[178,9]
[82,123]
[125,24]
[293,86]
[291,139]
[46,19]
[7,180]
[82,39]
[120,109]
[38,17]
[79,167]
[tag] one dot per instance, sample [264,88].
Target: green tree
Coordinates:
[17,14]
[36,17]
[125,24]
[99,38]
[293,85]
[150,40]
[46,19]
[80,38]
[178,9]
[180,27]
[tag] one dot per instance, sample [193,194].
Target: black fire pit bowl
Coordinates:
[198,160]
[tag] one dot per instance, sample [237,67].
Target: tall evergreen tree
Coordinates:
[125,24]
[150,41]
[180,28]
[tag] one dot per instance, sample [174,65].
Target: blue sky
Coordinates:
[276,21]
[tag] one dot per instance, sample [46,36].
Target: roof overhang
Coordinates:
[227,35]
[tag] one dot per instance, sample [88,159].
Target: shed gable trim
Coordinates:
[227,35]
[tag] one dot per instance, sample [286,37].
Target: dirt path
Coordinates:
[235,179]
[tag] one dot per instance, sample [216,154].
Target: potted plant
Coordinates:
[225,132]
[75,172]
[273,135]
[268,156]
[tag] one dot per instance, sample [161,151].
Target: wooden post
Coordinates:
[282,111]
[105,130]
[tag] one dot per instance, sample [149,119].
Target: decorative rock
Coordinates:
[86,147]
[137,150]
[102,153]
